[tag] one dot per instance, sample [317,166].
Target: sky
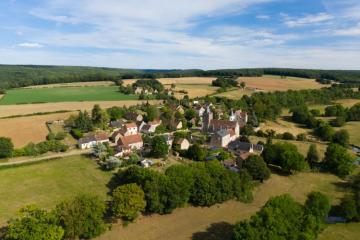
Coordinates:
[181,34]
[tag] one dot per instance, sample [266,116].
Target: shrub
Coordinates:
[6,147]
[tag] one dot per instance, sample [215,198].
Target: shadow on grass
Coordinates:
[216,231]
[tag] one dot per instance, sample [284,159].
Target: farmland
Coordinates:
[64,94]
[187,223]
[12,110]
[45,184]
[23,130]
[194,90]
[74,84]
[235,94]
[347,231]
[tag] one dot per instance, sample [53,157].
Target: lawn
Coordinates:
[47,183]
[64,94]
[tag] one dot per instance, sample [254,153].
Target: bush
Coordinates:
[196,152]
[128,201]
[301,137]
[256,167]
[342,138]
[338,161]
[6,147]
[77,133]
[288,136]
[338,122]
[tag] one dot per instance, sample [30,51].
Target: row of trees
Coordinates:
[201,184]
[350,204]
[284,218]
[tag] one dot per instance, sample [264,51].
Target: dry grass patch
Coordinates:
[235,94]
[11,110]
[348,231]
[23,130]
[281,126]
[194,91]
[181,80]
[183,223]
[74,84]
[276,83]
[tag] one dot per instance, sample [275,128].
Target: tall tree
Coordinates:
[338,160]
[159,147]
[312,155]
[257,168]
[6,147]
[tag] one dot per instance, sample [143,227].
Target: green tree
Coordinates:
[128,201]
[34,223]
[6,147]
[81,217]
[257,168]
[99,117]
[182,177]
[242,85]
[83,122]
[342,137]
[196,152]
[190,114]
[348,208]
[312,155]
[152,113]
[115,113]
[159,147]
[338,160]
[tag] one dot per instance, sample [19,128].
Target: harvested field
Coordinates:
[194,91]
[276,83]
[46,184]
[281,126]
[235,94]
[74,84]
[182,80]
[23,130]
[190,222]
[12,110]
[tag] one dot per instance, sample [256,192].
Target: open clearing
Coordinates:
[348,231]
[12,110]
[24,130]
[74,84]
[64,94]
[185,223]
[276,83]
[45,184]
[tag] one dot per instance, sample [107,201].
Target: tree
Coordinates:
[338,161]
[128,201]
[242,85]
[83,122]
[342,138]
[318,205]
[159,147]
[325,131]
[257,168]
[152,113]
[34,223]
[196,152]
[115,113]
[81,217]
[312,155]
[348,208]
[190,114]
[6,147]
[99,117]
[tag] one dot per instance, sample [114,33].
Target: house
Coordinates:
[180,109]
[231,165]
[177,124]
[92,140]
[169,139]
[122,151]
[217,125]
[134,142]
[245,149]
[239,116]
[116,125]
[129,129]
[133,116]
[183,144]
[139,90]
[223,137]
[146,163]
[151,126]
[200,110]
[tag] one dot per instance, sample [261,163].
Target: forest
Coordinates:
[13,76]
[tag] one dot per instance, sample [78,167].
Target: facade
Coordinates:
[134,142]
[150,127]
[92,140]
[239,116]
[129,129]
[183,144]
[133,116]
[223,137]
[217,125]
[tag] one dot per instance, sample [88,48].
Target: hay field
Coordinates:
[194,91]
[276,83]
[74,84]
[186,223]
[11,110]
[64,94]
[23,130]
[46,184]
[235,94]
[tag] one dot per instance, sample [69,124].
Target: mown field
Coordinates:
[193,223]
[64,94]
[349,231]
[194,90]
[45,184]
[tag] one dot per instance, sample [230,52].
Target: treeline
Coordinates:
[13,76]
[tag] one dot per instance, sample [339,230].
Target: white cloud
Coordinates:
[263,17]
[349,32]
[30,45]
[307,20]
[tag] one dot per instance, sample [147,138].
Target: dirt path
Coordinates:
[183,223]
[22,160]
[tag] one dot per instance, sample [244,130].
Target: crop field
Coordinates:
[276,83]
[74,84]
[12,110]
[47,183]
[181,80]
[192,223]
[63,94]
[235,94]
[24,130]
[195,90]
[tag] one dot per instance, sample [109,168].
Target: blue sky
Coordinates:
[207,34]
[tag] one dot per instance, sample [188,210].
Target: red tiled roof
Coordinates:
[130,125]
[125,141]
[222,123]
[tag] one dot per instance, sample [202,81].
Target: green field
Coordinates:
[64,94]
[348,231]
[45,184]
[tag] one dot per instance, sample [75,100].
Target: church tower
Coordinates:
[207,117]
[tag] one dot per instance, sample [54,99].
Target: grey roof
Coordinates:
[244,146]
[222,132]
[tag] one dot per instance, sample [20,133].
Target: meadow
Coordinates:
[63,94]
[46,184]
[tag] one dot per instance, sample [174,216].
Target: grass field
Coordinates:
[235,94]
[354,130]
[64,94]
[11,110]
[181,80]
[74,84]
[349,231]
[23,130]
[186,223]
[276,83]
[195,90]
[45,184]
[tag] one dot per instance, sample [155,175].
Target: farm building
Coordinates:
[92,140]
